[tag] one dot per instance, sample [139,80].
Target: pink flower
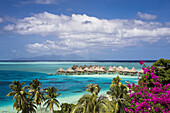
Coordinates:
[143,68]
[133,84]
[146,77]
[128,85]
[126,109]
[141,62]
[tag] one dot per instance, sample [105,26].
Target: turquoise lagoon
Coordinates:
[68,85]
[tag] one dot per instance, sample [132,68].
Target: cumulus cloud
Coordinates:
[146,16]
[82,33]
[40,2]
[45,1]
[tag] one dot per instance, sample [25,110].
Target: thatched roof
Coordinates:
[60,70]
[103,67]
[114,67]
[69,70]
[141,71]
[77,69]
[80,70]
[90,70]
[86,69]
[110,69]
[97,69]
[126,69]
[133,70]
[120,68]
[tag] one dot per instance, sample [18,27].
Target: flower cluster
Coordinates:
[146,99]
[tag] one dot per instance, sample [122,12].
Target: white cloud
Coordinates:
[82,33]
[45,1]
[1,20]
[146,16]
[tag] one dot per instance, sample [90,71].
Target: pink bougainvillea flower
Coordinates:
[143,68]
[126,109]
[146,77]
[133,84]
[141,62]
[152,68]
[128,85]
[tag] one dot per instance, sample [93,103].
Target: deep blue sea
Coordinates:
[67,85]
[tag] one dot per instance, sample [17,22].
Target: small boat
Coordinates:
[127,82]
[49,73]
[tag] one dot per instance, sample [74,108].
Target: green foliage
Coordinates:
[65,108]
[51,98]
[94,89]
[92,103]
[119,95]
[22,101]
[38,96]
[162,69]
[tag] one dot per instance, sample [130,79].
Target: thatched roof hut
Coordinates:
[69,70]
[141,71]
[80,70]
[119,68]
[126,69]
[103,67]
[86,69]
[133,70]
[110,69]
[60,70]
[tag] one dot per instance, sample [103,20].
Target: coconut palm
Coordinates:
[92,103]
[93,89]
[38,96]
[51,98]
[119,95]
[30,108]
[21,97]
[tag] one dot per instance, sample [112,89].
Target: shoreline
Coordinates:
[71,100]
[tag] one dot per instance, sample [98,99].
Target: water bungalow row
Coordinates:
[96,69]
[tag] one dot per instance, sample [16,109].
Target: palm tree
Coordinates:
[119,95]
[51,98]
[21,97]
[38,96]
[93,89]
[92,103]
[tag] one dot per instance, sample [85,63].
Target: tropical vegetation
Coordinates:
[150,95]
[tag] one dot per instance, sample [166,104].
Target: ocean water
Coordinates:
[68,85]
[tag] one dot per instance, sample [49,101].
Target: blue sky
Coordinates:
[101,29]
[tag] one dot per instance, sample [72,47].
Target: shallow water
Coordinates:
[68,85]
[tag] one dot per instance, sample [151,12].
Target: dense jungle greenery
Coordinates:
[28,98]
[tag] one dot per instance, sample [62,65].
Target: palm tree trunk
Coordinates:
[40,108]
[52,110]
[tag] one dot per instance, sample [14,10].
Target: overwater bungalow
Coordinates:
[60,71]
[110,70]
[126,71]
[133,71]
[69,71]
[120,71]
[114,68]
[101,70]
[80,71]
[86,69]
